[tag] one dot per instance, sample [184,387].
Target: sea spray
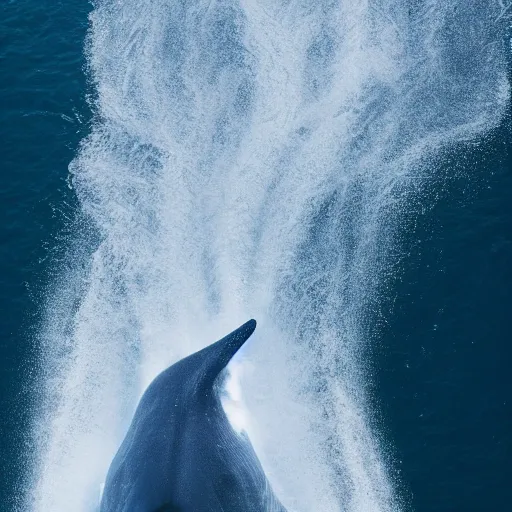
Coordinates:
[253,159]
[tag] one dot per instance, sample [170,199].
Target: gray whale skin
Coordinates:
[181,454]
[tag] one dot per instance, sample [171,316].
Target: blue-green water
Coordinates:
[440,343]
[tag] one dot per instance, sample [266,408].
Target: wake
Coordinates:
[253,158]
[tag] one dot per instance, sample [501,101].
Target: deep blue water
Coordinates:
[43,116]
[444,354]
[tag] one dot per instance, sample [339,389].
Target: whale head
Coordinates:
[181,453]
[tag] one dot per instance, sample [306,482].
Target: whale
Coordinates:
[181,453]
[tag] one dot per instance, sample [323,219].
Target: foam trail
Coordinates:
[253,159]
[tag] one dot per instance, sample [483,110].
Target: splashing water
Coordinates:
[253,159]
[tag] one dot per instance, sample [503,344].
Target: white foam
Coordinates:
[252,160]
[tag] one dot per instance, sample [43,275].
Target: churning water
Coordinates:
[253,159]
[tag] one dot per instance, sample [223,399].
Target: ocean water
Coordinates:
[340,172]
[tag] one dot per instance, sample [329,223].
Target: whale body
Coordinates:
[181,453]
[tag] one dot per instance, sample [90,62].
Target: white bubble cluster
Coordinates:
[252,159]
